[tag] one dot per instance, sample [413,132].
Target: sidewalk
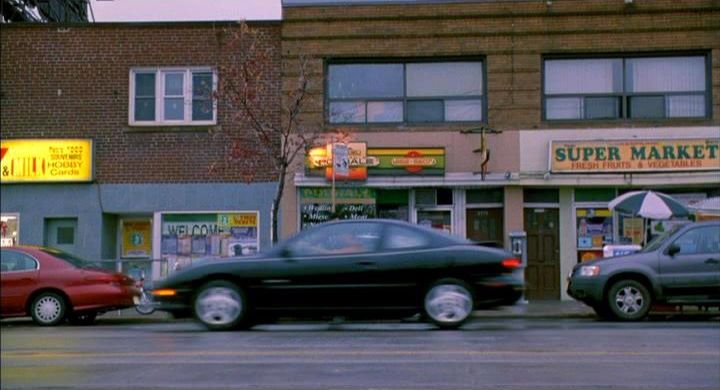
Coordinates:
[540,309]
[536,309]
[533,309]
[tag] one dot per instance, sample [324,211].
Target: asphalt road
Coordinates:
[487,354]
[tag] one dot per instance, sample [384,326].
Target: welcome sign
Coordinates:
[635,155]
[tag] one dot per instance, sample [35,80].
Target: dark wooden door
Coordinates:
[542,275]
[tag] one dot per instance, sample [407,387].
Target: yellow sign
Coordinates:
[239,219]
[137,238]
[635,155]
[46,160]
[633,229]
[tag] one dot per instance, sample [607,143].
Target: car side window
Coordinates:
[699,241]
[402,238]
[346,238]
[12,261]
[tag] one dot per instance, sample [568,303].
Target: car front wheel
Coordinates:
[220,305]
[449,303]
[629,300]
[48,309]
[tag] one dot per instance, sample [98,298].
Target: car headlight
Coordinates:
[589,270]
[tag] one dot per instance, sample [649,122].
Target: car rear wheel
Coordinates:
[629,300]
[220,305]
[48,309]
[449,303]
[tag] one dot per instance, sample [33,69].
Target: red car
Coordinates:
[51,286]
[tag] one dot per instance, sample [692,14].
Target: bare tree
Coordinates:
[244,87]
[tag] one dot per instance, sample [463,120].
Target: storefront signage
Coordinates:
[635,155]
[46,160]
[352,203]
[137,239]
[366,162]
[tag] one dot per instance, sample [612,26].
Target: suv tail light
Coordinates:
[511,263]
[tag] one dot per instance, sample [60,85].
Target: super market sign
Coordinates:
[635,155]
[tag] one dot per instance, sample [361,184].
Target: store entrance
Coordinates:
[543,247]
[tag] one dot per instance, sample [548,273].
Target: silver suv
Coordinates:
[680,267]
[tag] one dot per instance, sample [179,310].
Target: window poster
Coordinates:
[594,228]
[136,238]
[8,230]
[632,230]
[189,236]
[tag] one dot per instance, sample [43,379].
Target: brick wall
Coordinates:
[73,81]
[511,35]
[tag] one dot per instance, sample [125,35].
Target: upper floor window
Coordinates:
[172,96]
[626,87]
[414,92]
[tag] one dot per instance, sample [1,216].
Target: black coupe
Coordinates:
[353,269]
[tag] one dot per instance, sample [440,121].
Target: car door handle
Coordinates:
[367,264]
[712,261]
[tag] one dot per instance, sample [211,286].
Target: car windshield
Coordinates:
[656,242]
[72,259]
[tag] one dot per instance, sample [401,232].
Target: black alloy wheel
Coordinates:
[629,300]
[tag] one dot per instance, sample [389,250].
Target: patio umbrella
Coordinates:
[648,204]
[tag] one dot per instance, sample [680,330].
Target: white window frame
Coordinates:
[160,73]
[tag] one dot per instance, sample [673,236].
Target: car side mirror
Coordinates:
[673,249]
[285,252]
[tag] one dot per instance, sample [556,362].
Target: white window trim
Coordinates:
[160,96]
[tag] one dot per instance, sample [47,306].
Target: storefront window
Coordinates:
[189,236]
[9,230]
[392,204]
[485,225]
[350,203]
[436,219]
[594,230]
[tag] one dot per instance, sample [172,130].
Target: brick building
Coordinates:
[114,148]
[487,117]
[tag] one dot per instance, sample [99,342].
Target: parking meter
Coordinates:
[518,247]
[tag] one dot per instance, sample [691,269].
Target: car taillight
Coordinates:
[511,263]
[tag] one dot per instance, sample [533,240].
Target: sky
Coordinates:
[184,10]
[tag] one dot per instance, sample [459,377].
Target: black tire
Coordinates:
[221,305]
[628,300]
[82,319]
[48,309]
[448,303]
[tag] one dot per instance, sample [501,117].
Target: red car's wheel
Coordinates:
[48,309]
